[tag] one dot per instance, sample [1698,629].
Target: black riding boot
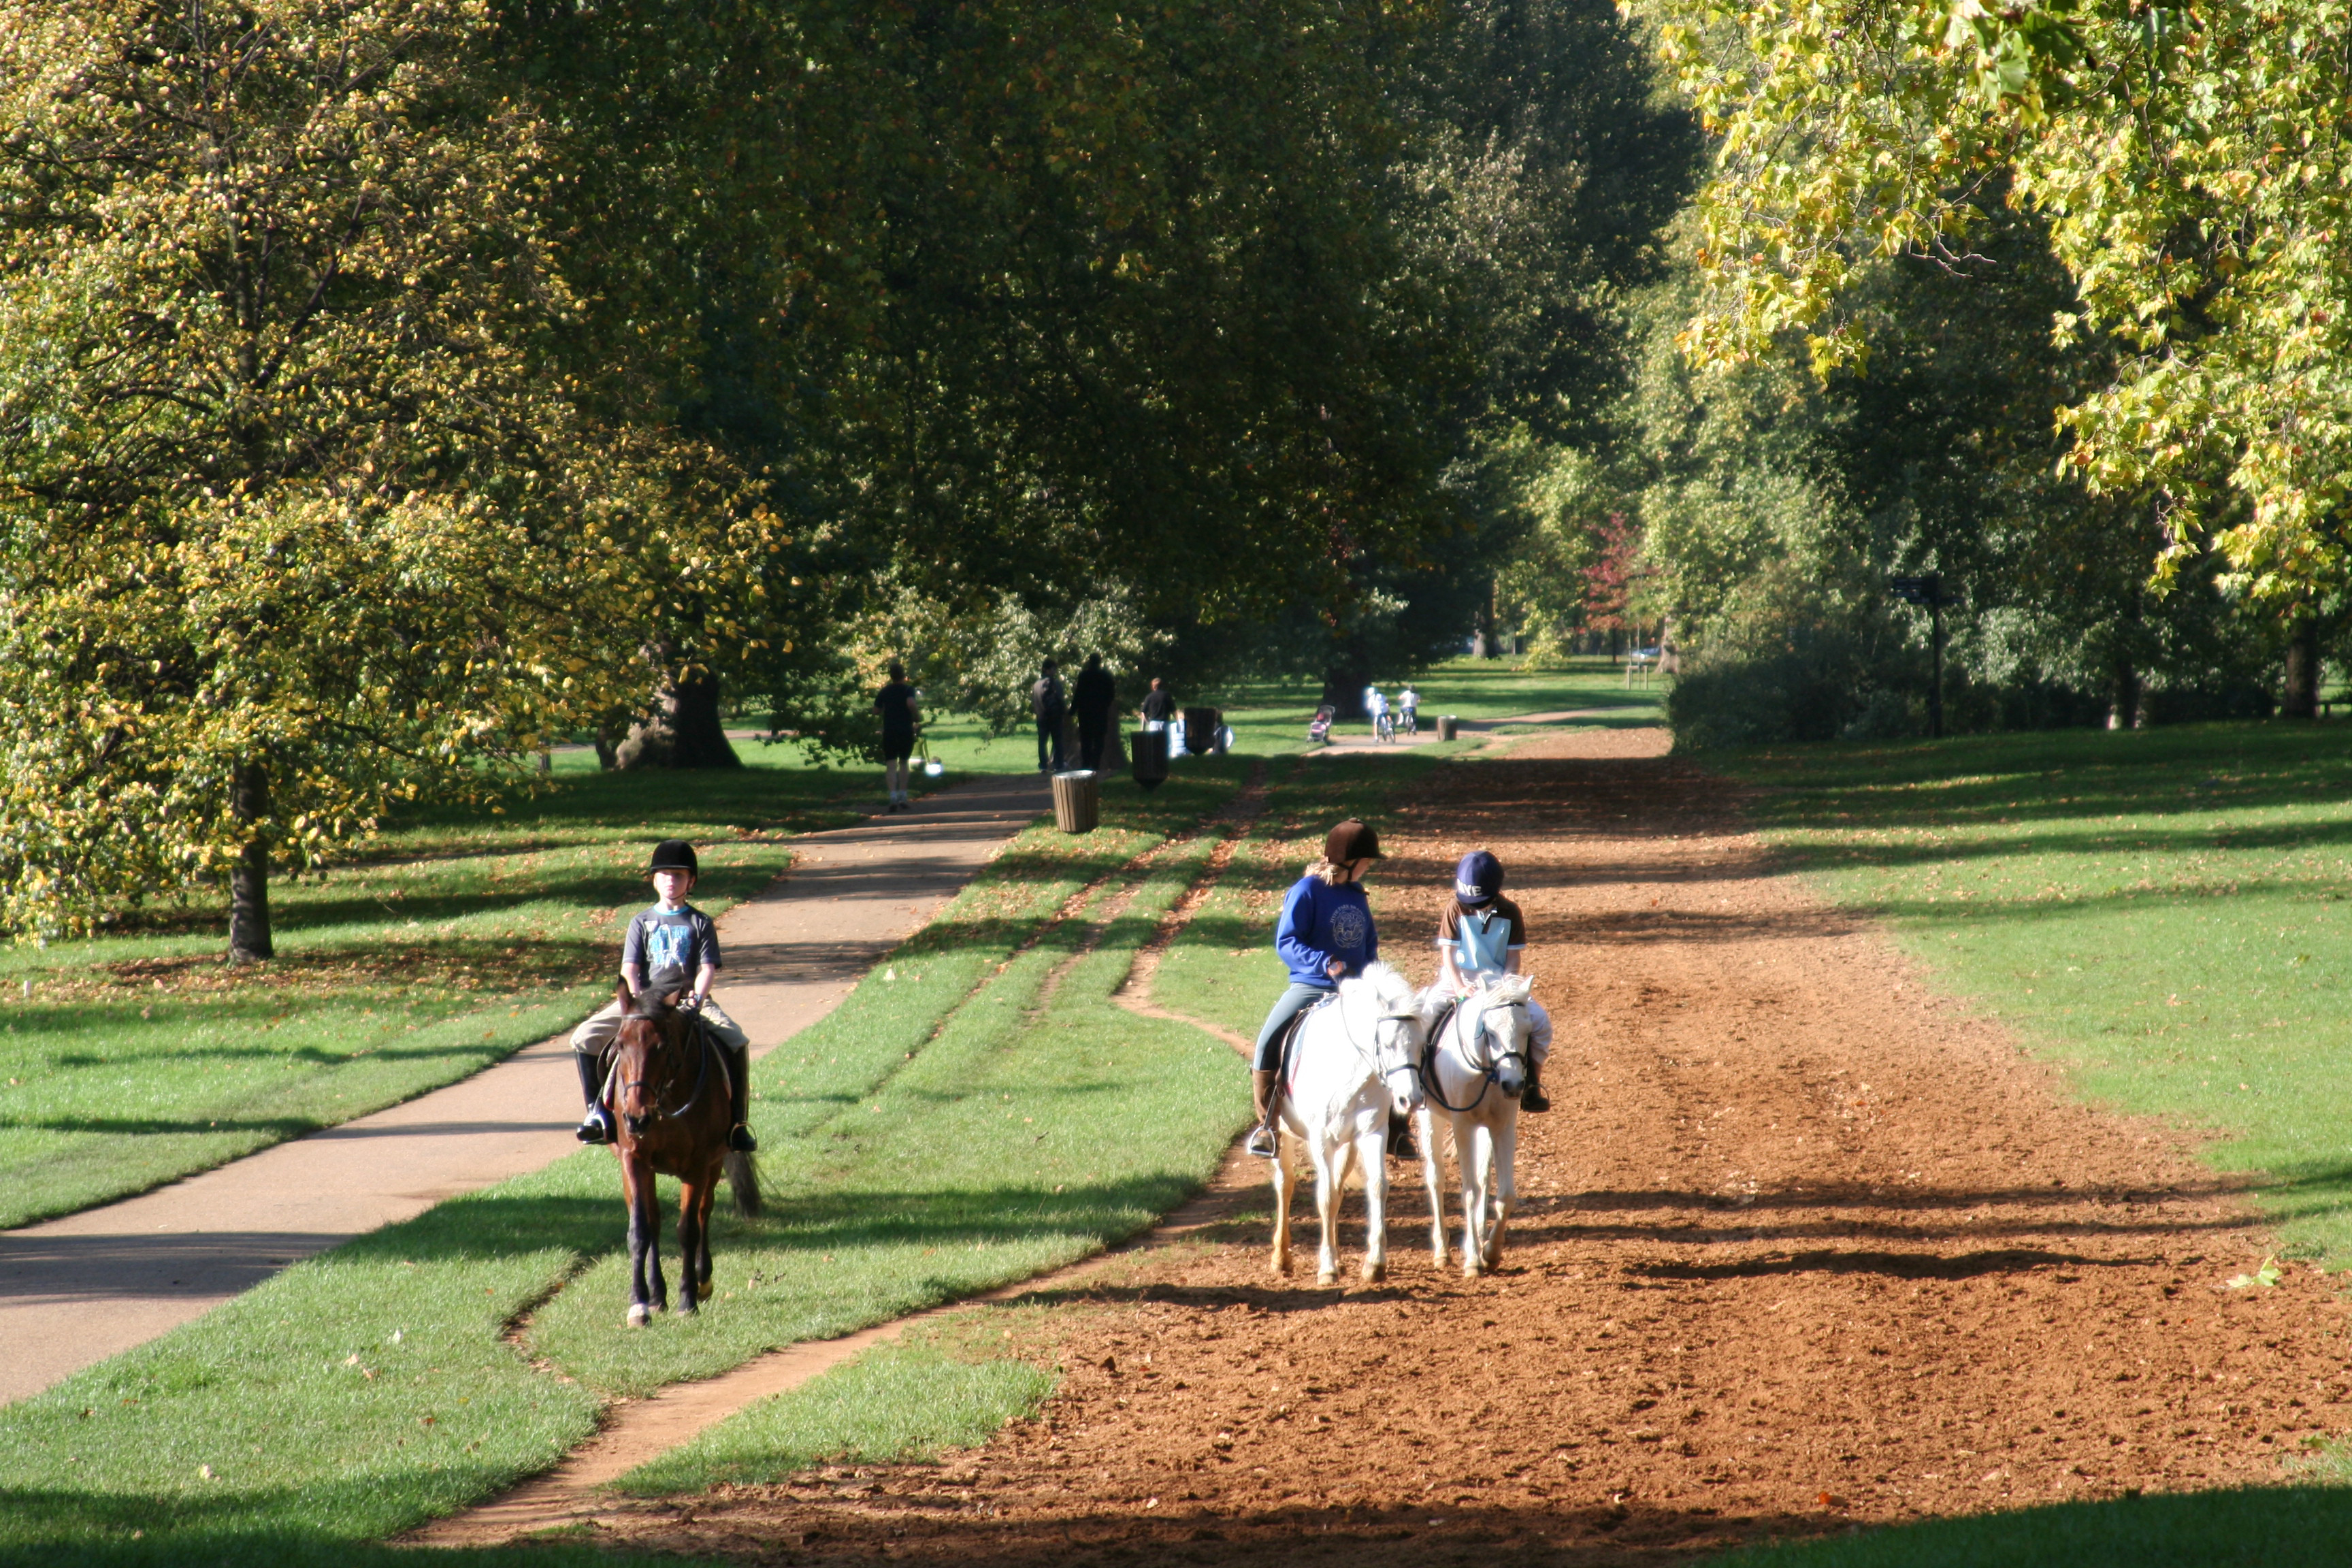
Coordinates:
[1401,1138]
[738,1075]
[1532,1098]
[596,1127]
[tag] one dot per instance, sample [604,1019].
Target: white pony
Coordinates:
[1477,1068]
[1354,1059]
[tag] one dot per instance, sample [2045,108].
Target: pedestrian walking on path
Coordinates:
[1046,700]
[1095,697]
[1158,705]
[900,717]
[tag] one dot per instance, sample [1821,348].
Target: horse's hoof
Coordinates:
[1374,1272]
[639,1316]
[1471,1269]
[1326,1277]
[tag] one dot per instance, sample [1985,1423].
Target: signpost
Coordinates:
[1930,591]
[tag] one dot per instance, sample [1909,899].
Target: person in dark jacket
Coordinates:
[1094,697]
[896,703]
[1046,700]
[1325,933]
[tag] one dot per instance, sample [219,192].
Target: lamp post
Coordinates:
[1930,591]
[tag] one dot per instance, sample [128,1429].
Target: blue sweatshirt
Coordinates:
[1320,922]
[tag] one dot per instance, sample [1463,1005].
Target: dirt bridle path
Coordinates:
[1803,1246]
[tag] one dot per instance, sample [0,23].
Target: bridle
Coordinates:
[1391,1016]
[701,1072]
[1471,1053]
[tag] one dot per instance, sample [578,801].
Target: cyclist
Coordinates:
[1379,705]
[1409,708]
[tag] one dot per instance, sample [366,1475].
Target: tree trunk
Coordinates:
[2301,698]
[1343,689]
[684,730]
[2124,711]
[248,885]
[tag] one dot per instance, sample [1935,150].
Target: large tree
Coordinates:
[305,507]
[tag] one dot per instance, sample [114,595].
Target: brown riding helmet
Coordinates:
[1351,840]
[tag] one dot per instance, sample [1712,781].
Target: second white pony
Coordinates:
[1477,1068]
[1355,1060]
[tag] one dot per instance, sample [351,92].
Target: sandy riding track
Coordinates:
[1804,1247]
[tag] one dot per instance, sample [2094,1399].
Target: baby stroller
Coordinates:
[1318,729]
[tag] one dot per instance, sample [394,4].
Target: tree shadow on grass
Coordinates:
[486,1226]
[41,1527]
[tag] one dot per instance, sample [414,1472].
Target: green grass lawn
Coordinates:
[951,1127]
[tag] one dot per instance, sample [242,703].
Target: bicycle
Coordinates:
[1384,727]
[1411,721]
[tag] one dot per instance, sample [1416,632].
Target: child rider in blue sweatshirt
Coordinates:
[1324,932]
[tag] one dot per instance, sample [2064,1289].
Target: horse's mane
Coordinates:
[1388,991]
[1508,989]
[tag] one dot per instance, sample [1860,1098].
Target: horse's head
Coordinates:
[1496,1024]
[641,1056]
[1398,1031]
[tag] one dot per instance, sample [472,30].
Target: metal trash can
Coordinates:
[1201,727]
[1077,800]
[1150,747]
[1446,726]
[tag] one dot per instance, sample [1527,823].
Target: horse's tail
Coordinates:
[743,1178]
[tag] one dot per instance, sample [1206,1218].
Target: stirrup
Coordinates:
[740,1141]
[1533,1100]
[1261,1141]
[594,1128]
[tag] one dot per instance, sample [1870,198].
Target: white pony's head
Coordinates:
[1383,1003]
[1498,1028]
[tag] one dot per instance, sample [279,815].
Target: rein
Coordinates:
[702,1077]
[1374,1056]
[1485,1070]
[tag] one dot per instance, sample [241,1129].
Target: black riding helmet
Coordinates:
[1351,840]
[675,855]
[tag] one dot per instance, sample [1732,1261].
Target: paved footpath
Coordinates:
[76,1290]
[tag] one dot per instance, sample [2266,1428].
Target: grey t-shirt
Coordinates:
[681,938]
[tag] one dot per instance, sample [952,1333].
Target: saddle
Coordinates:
[1289,1037]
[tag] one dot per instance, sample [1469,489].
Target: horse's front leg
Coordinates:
[1331,1193]
[636,1188]
[702,1228]
[1472,1153]
[1286,1183]
[1504,1182]
[1432,1175]
[689,1245]
[1372,1155]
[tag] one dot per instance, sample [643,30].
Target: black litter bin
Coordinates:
[1201,727]
[1150,751]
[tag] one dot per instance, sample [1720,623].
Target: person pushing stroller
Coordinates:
[1483,936]
[672,949]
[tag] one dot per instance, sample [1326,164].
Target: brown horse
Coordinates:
[670,1091]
